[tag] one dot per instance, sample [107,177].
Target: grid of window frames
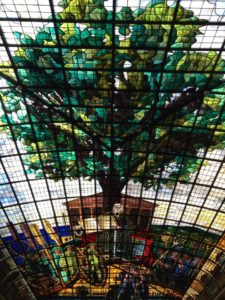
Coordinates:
[112,145]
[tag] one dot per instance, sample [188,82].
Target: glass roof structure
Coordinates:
[112,146]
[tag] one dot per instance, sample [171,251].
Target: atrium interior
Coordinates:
[112,146]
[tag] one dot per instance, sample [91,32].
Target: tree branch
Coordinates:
[178,144]
[191,99]
[54,109]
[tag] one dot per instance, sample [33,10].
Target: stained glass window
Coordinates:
[112,146]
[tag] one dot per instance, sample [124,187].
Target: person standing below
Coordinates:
[127,288]
[142,289]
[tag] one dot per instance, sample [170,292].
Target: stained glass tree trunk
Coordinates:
[111,188]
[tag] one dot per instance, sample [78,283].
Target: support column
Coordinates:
[210,281]
[12,284]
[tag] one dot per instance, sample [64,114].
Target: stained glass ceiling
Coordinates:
[120,105]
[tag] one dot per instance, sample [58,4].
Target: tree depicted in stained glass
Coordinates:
[114,95]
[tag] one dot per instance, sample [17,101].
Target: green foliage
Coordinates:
[190,241]
[72,111]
